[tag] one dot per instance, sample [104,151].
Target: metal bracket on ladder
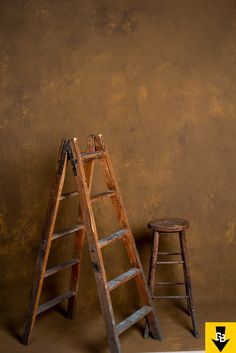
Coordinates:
[82,166]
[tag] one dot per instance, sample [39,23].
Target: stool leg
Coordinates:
[187,279]
[152,272]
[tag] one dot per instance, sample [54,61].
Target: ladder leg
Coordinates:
[185,278]
[152,272]
[45,245]
[95,251]
[79,238]
[105,299]
[188,284]
[75,273]
[153,321]
[35,293]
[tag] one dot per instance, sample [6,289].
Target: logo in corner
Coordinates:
[220,340]
[220,337]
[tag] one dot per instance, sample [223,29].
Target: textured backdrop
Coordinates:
[158,79]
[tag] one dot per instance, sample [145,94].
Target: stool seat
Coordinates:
[168,225]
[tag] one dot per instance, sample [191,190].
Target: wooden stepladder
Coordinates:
[82,166]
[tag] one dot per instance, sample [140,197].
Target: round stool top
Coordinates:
[168,225]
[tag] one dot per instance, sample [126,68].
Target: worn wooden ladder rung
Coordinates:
[123,278]
[54,301]
[82,167]
[67,264]
[103,195]
[97,197]
[68,231]
[91,155]
[132,319]
[109,239]
[66,195]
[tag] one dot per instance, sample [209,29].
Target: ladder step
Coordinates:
[169,262]
[54,301]
[118,235]
[169,253]
[68,194]
[125,277]
[68,231]
[102,195]
[171,297]
[61,267]
[92,155]
[132,319]
[169,283]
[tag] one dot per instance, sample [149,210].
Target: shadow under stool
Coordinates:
[164,226]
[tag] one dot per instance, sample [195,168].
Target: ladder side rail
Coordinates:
[95,251]
[45,245]
[122,216]
[80,237]
[129,240]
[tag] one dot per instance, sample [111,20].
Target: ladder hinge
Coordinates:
[61,161]
[74,161]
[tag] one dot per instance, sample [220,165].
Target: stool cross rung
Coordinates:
[169,283]
[169,253]
[169,262]
[171,297]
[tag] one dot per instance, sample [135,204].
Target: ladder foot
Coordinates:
[24,340]
[146,330]
[155,336]
[70,316]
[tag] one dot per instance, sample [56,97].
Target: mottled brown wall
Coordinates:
[158,79]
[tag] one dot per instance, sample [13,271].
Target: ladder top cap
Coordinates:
[169,225]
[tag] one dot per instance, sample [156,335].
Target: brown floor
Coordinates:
[53,333]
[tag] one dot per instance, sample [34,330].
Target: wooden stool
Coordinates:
[171,225]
